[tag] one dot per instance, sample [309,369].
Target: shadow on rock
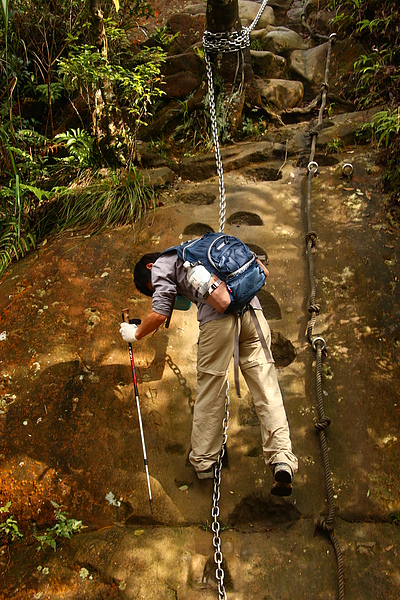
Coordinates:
[73,437]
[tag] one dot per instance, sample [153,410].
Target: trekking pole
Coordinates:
[125,317]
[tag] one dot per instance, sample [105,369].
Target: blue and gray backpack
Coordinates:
[231,261]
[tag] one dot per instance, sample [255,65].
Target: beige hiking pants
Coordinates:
[215,351]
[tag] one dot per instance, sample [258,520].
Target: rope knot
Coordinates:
[314,308]
[324,525]
[312,237]
[323,423]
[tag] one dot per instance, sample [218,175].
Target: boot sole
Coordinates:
[281,489]
[283,476]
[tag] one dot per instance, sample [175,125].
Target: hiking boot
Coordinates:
[283,480]
[209,474]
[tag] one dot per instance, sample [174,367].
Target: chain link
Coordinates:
[231,41]
[215,526]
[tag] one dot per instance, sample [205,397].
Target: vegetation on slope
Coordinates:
[74,92]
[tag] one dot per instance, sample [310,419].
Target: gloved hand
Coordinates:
[128,332]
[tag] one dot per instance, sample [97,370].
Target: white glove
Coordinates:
[128,332]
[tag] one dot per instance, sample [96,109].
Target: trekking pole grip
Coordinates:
[126,319]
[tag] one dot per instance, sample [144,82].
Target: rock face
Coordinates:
[69,418]
[69,426]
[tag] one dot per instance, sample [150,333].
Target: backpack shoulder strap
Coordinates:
[263,341]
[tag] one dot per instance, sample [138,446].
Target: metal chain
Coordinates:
[233,40]
[181,380]
[214,43]
[214,129]
[215,526]
[223,42]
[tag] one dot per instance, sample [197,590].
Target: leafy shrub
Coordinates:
[385,131]
[334,146]
[64,528]
[9,527]
[375,25]
[134,88]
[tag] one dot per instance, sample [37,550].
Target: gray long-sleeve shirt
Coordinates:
[168,278]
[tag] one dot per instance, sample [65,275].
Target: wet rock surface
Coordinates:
[68,418]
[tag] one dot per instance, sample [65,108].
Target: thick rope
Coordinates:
[324,523]
[233,42]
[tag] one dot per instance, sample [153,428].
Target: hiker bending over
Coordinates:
[163,277]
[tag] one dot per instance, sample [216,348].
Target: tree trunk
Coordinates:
[105,120]
[98,35]
[233,68]
[223,16]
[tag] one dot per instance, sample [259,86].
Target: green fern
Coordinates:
[13,244]
[385,126]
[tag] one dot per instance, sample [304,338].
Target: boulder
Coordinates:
[248,11]
[283,41]
[182,74]
[181,85]
[257,34]
[293,18]
[180,63]
[282,93]
[158,177]
[196,9]
[309,67]
[266,64]
[321,21]
[281,8]
[190,29]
